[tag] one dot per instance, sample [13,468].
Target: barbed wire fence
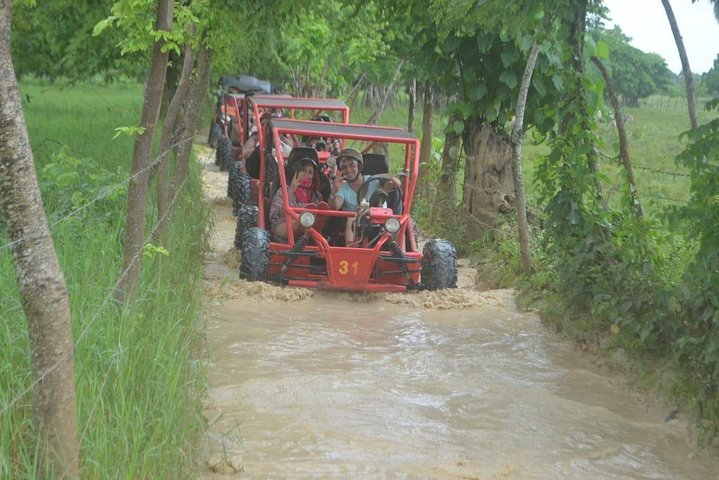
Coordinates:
[110,295]
[670,103]
[654,195]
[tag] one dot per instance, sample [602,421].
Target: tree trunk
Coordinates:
[577,31]
[516,139]
[623,142]
[447,186]
[426,143]
[688,80]
[173,112]
[352,96]
[139,181]
[374,119]
[412,105]
[195,102]
[43,292]
[488,183]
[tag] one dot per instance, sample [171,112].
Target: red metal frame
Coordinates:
[264,104]
[366,268]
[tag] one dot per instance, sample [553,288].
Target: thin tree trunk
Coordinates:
[139,182]
[195,102]
[688,80]
[412,105]
[516,139]
[43,292]
[173,111]
[426,144]
[352,96]
[374,119]
[623,142]
[577,30]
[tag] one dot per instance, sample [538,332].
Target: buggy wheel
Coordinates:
[239,188]
[223,154]
[215,133]
[439,265]
[255,255]
[234,170]
[246,219]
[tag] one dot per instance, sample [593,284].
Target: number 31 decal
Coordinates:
[345,267]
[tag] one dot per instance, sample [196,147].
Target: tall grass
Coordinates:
[139,383]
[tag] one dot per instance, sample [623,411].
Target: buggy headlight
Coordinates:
[307,219]
[392,225]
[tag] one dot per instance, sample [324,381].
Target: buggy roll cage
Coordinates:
[260,104]
[357,132]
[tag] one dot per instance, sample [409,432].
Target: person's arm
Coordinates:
[393,183]
[336,200]
[249,146]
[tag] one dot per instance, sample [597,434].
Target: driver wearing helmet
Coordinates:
[349,181]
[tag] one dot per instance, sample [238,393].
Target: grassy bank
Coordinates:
[139,384]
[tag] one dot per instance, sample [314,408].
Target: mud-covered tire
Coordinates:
[246,219]
[223,154]
[215,133]
[239,188]
[255,255]
[439,265]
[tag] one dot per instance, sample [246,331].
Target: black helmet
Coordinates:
[302,152]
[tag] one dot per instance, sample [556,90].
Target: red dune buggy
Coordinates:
[243,178]
[228,125]
[383,256]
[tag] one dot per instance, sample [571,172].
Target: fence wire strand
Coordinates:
[108,297]
[39,231]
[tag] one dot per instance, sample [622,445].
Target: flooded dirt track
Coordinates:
[310,384]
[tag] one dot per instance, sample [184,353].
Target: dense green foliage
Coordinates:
[140,378]
[696,336]
[710,80]
[307,47]
[54,39]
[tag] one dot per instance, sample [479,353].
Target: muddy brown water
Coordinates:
[445,385]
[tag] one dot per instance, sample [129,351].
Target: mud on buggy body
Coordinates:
[383,259]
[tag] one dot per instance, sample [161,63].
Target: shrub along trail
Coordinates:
[450,384]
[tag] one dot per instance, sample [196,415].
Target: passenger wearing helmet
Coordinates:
[251,148]
[303,189]
[322,144]
[346,185]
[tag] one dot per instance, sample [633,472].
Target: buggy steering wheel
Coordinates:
[380,195]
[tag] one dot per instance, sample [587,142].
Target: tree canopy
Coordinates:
[710,80]
[636,74]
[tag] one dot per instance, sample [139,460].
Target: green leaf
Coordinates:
[132,131]
[602,50]
[458,127]
[509,79]
[102,25]
[478,93]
